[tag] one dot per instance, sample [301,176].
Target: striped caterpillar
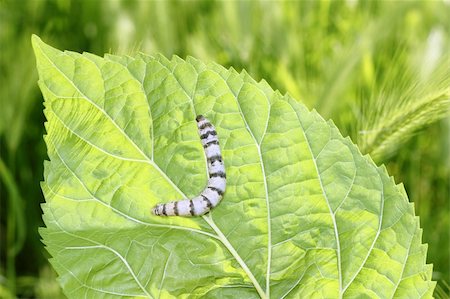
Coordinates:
[212,194]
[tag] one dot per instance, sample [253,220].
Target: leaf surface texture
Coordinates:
[304,215]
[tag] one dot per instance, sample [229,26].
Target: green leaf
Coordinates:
[305,214]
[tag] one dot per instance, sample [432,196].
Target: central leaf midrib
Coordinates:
[94,104]
[211,222]
[96,199]
[92,144]
[134,144]
[147,160]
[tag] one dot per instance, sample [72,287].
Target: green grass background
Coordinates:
[379,69]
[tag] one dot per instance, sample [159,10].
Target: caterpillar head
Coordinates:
[199,118]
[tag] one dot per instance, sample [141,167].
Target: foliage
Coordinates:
[343,58]
[305,214]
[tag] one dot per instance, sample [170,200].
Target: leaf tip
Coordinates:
[41,49]
[35,39]
[36,43]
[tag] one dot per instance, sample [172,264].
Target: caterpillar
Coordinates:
[213,192]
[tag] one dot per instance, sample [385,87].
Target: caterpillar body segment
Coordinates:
[212,194]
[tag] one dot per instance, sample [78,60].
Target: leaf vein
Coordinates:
[220,234]
[258,147]
[333,218]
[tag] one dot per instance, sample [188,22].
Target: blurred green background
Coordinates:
[380,70]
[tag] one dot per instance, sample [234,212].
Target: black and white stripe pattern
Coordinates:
[212,194]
